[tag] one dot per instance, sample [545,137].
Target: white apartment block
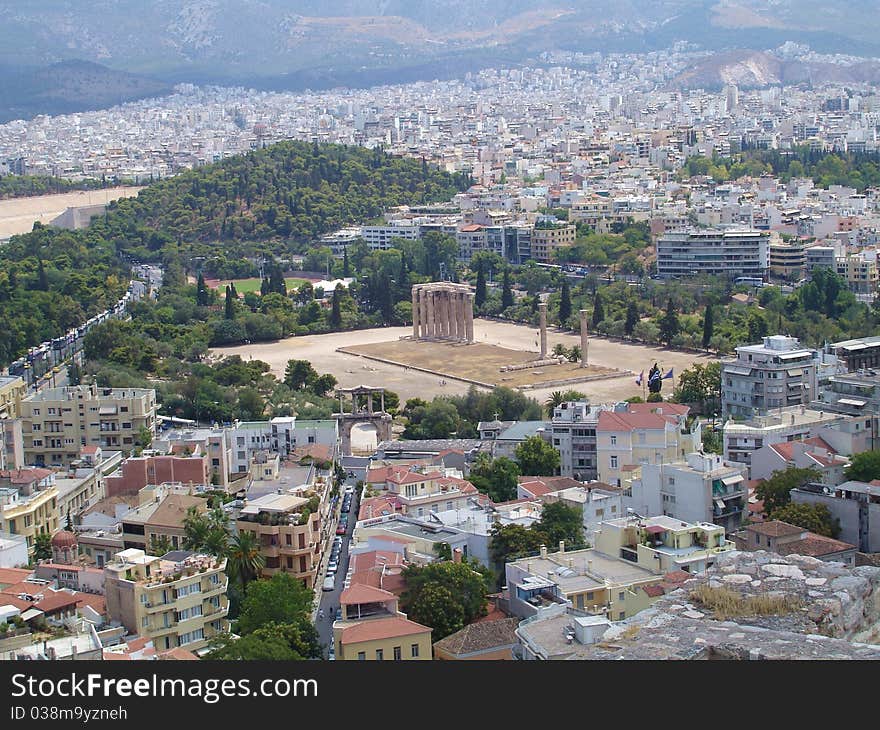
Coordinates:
[730,252]
[776,374]
[702,488]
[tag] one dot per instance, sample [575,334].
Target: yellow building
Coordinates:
[587,580]
[288,530]
[12,391]
[372,629]
[861,274]
[547,237]
[28,504]
[663,544]
[179,600]
[58,422]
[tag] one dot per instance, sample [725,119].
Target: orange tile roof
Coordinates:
[361,593]
[380,628]
[11,576]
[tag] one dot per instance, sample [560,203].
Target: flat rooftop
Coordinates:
[583,570]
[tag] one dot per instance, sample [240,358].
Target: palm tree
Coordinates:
[195,528]
[559,349]
[245,559]
[574,354]
[557,398]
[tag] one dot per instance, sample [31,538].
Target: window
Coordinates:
[589,595]
[397,653]
[614,440]
[621,596]
[36,427]
[613,462]
[362,655]
[414,650]
[621,616]
[145,621]
[671,480]
[379,655]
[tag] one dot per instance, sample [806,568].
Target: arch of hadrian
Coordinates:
[443,310]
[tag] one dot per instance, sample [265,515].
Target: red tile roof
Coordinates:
[775,528]
[611,421]
[814,545]
[380,628]
[360,593]
[10,576]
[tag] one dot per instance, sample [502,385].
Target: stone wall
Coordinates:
[827,611]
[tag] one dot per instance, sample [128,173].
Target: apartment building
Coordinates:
[547,237]
[847,435]
[373,629]
[13,390]
[856,394]
[860,274]
[776,374]
[28,504]
[573,433]
[727,252]
[287,528]
[178,600]
[788,259]
[856,505]
[11,444]
[857,354]
[419,490]
[159,518]
[701,489]
[57,422]
[821,257]
[183,467]
[663,543]
[596,501]
[643,433]
[811,453]
[782,538]
[281,435]
[587,580]
[212,442]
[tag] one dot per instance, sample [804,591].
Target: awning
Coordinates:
[794,372]
[730,481]
[852,402]
[738,371]
[793,355]
[654,529]
[107,411]
[719,503]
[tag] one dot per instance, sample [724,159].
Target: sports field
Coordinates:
[243,286]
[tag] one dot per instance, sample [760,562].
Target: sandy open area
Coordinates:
[351,370]
[18,215]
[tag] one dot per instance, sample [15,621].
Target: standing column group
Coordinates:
[443,310]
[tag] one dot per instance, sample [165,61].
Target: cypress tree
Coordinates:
[669,324]
[632,318]
[335,312]
[345,268]
[564,303]
[229,311]
[598,310]
[201,291]
[506,291]
[480,294]
[708,326]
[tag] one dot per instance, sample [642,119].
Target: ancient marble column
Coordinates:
[423,313]
[542,313]
[469,316]
[431,315]
[584,338]
[415,312]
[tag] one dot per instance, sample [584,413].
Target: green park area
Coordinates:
[243,286]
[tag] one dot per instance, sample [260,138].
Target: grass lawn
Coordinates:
[243,286]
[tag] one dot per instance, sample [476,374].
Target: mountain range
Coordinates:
[296,44]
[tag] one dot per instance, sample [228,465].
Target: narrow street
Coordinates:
[328,601]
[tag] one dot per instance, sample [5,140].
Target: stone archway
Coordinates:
[362,414]
[363,437]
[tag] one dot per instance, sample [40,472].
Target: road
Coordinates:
[328,601]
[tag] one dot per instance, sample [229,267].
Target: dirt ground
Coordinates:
[477,361]
[352,370]
[18,215]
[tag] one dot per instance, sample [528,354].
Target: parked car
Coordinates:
[329,583]
[332,566]
[341,529]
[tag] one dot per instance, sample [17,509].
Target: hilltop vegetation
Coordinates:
[271,202]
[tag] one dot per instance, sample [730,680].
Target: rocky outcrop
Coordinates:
[757,605]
